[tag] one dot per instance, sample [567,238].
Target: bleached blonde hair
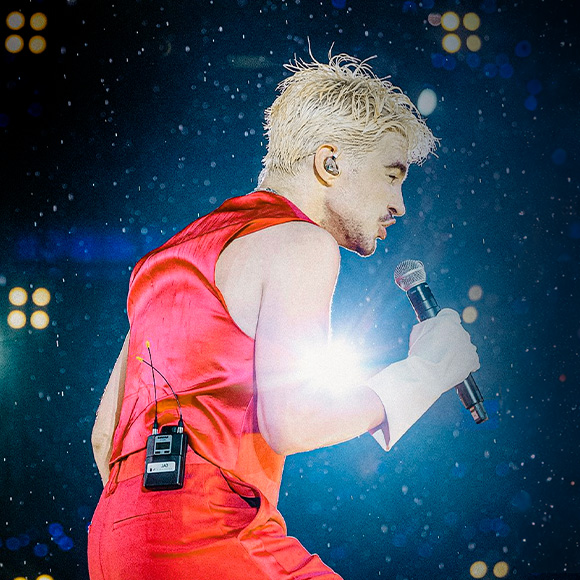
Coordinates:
[342,102]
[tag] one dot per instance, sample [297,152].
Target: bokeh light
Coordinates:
[41,297]
[475,292]
[38,21]
[473,42]
[15,20]
[469,314]
[45,577]
[427,102]
[471,21]
[39,319]
[37,44]
[501,569]
[16,319]
[478,569]
[14,43]
[18,296]
[451,43]
[434,19]
[450,21]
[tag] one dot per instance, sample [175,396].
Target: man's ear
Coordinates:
[326,166]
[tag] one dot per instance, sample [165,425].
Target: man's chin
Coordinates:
[364,250]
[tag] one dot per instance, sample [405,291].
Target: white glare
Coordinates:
[427,102]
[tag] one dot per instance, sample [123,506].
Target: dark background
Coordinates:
[142,115]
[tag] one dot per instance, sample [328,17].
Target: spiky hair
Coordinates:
[341,102]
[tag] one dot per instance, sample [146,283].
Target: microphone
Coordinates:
[410,276]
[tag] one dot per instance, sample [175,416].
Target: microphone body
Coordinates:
[425,306]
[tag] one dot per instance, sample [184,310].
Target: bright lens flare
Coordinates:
[39,319]
[37,44]
[14,43]
[15,21]
[16,319]
[18,296]
[451,43]
[501,569]
[471,21]
[38,21]
[478,569]
[41,297]
[450,21]
[337,366]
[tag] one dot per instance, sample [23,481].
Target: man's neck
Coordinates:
[306,197]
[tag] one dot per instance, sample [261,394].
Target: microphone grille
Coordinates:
[410,273]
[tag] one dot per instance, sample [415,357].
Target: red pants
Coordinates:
[204,531]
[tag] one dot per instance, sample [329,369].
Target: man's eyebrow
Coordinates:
[397,165]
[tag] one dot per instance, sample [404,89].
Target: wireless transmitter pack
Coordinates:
[166,451]
[165,462]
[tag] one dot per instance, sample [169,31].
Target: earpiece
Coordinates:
[330,166]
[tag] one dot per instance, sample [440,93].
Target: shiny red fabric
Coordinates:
[175,304]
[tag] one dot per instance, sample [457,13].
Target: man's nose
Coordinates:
[397,205]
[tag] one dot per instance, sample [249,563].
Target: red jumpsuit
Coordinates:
[223,523]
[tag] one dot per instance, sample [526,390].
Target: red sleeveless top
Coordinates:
[175,304]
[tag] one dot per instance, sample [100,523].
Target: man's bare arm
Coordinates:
[108,413]
[295,412]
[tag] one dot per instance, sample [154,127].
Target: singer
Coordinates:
[229,307]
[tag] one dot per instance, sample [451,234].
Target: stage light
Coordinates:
[37,44]
[15,21]
[473,42]
[501,569]
[427,102]
[39,319]
[478,569]
[475,292]
[18,296]
[45,577]
[41,297]
[451,43]
[450,21]
[14,43]
[471,21]
[469,314]
[20,578]
[434,19]
[16,319]
[336,366]
[38,21]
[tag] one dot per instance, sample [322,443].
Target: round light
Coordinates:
[37,44]
[501,569]
[14,43]
[18,296]
[41,297]
[471,21]
[450,21]
[38,21]
[475,293]
[39,319]
[451,43]
[473,42]
[427,102]
[469,314]
[45,577]
[15,21]
[16,319]
[478,569]
[434,19]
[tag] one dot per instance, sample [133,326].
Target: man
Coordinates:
[230,308]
